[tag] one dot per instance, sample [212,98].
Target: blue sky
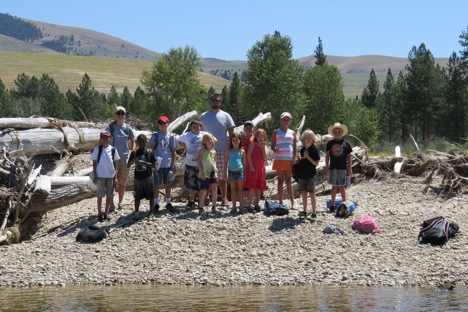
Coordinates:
[228,29]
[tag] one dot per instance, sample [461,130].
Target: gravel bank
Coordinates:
[248,249]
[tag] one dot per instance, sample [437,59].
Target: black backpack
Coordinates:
[437,231]
[91,234]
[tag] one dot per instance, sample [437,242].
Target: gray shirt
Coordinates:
[218,123]
[120,137]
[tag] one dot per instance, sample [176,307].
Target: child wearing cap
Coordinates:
[284,145]
[338,161]
[164,145]
[105,157]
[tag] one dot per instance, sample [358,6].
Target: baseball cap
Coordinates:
[285,114]
[163,119]
[120,108]
[249,122]
[105,133]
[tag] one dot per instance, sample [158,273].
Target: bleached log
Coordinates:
[61,181]
[60,168]
[43,185]
[42,122]
[61,197]
[261,118]
[180,120]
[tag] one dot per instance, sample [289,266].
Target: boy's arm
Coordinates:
[95,176]
[350,164]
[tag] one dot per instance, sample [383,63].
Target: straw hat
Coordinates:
[337,125]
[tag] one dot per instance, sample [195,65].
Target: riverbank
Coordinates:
[251,249]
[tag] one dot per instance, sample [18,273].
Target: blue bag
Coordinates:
[273,208]
[345,209]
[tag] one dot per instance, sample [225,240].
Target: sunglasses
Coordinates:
[215,100]
[120,113]
[105,137]
[162,123]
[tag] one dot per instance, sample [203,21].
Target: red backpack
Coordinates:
[365,225]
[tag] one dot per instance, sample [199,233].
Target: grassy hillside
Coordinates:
[68,71]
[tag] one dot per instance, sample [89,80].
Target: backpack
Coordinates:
[100,152]
[91,234]
[365,225]
[273,208]
[345,209]
[156,141]
[437,231]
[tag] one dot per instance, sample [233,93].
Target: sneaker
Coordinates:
[171,208]
[257,208]
[151,216]
[156,208]
[250,210]
[201,211]
[214,210]
[234,210]
[100,218]
[136,216]
[242,210]
[207,201]
[225,202]
[111,208]
[191,205]
[106,217]
[313,217]
[302,215]
[332,209]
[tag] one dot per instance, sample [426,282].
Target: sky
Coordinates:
[228,29]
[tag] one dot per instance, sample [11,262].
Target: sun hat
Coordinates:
[285,114]
[337,125]
[106,133]
[163,119]
[120,108]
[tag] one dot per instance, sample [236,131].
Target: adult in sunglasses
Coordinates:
[221,125]
[123,140]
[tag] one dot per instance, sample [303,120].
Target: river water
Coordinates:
[245,298]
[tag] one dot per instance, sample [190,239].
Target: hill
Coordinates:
[120,63]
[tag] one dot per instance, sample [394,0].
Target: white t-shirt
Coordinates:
[193,143]
[105,167]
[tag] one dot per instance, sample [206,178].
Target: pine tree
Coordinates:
[321,58]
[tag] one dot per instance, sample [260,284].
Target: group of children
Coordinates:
[245,162]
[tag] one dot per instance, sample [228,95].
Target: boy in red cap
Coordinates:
[164,145]
[104,158]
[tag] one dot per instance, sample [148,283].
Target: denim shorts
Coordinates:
[235,175]
[160,177]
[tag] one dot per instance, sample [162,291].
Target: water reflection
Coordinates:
[261,298]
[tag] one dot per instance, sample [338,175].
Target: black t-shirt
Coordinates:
[339,151]
[306,169]
[145,154]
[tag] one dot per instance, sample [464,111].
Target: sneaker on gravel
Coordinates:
[111,208]
[302,215]
[313,217]
[257,208]
[136,216]
[156,208]
[100,218]
[250,210]
[151,216]
[191,205]
[332,209]
[225,202]
[234,210]
[214,210]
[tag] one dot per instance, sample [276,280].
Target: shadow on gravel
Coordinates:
[283,223]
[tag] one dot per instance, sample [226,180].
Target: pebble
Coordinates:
[251,249]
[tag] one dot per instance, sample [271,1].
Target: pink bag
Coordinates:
[365,225]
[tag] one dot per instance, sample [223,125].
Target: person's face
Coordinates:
[141,143]
[104,140]
[235,141]
[162,125]
[248,129]
[215,102]
[120,114]
[196,128]
[308,140]
[261,139]
[210,143]
[285,121]
[337,133]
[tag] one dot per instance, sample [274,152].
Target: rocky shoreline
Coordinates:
[250,249]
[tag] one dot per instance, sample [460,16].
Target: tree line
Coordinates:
[427,102]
